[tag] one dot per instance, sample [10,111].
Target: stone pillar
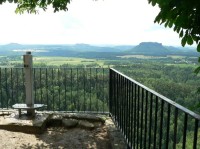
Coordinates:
[29,82]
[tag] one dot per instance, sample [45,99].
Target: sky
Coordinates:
[107,22]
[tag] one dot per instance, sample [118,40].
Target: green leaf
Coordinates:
[198,48]
[175,28]
[166,24]
[184,40]
[194,37]
[178,29]
[189,40]
[153,2]
[170,24]
[197,70]
[181,34]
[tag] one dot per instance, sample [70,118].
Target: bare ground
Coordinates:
[54,137]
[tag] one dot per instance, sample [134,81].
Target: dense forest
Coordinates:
[178,83]
[169,76]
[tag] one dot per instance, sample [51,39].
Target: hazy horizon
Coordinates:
[110,22]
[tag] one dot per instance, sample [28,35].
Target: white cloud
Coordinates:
[87,21]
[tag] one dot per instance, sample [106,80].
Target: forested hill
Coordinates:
[94,51]
[150,48]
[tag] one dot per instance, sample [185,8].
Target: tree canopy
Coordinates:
[183,16]
[32,6]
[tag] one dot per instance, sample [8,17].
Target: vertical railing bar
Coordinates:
[23,79]
[65,86]
[127,109]
[103,92]
[155,125]
[168,125]
[17,84]
[195,134]
[72,109]
[110,89]
[122,104]
[124,107]
[107,85]
[40,86]
[132,115]
[134,142]
[185,130]
[138,114]
[84,77]
[6,88]
[121,99]
[117,97]
[77,89]
[115,94]
[91,87]
[34,78]
[47,95]
[59,86]
[129,112]
[118,101]
[161,124]
[113,91]
[150,119]
[175,127]
[145,123]
[142,108]
[1,86]
[11,73]
[96,90]
[53,88]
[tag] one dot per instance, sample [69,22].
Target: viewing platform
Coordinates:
[143,117]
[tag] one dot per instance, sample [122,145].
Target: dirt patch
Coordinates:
[90,132]
[57,137]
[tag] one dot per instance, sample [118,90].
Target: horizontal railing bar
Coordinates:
[50,67]
[83,112]
[191,113]
[49,111]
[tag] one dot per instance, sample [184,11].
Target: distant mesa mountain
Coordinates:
[13,44]
[87,50]
[149,48]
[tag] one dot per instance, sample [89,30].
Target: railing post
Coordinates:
[110,91]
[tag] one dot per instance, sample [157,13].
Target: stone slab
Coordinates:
[24,123]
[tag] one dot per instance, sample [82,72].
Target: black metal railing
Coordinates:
[148,119]
[61,89]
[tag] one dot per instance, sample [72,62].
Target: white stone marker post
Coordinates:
[28,65]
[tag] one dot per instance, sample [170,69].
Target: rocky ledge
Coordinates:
[10,120]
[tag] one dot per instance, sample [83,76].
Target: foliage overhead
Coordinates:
[183,16]
[32,6]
